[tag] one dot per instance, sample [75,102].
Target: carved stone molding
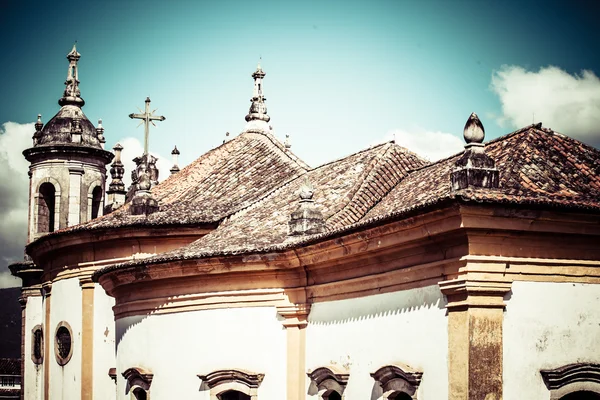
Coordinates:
[397,378]
[137,377]
[572,378]
[86,282]
[47,289]
[325,380]
[221,381]
[464,293]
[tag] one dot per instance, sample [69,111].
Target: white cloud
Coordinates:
[567,103]
[14,197]
[432,145]
[133,148]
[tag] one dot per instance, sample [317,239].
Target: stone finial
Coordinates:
[116,189]
[307,219]
[474,131]
[175,153]
[226,138]
[39,124]
[38,130]
[76,129]
[258,108]
[474,168]
[287,143]
[143,177]
[72,95]
[100,133]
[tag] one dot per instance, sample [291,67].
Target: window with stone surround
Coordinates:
[37,344]
[45,207]
[96,201]
[63,343]
[579,381]
[138,383]
[328,383]
[231,384]
[396,382]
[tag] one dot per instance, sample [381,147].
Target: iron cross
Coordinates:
[147,117]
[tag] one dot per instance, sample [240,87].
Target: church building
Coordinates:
[250,275]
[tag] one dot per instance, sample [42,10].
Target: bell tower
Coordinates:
[68,164]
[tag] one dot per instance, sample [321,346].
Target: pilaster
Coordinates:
[87,339]
[294,321]
[475,316]
[47,291]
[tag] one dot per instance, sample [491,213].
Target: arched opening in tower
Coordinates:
[46,208]
[233,395]
[96,201]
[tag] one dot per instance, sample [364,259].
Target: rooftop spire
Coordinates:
[258,109]
[72,95]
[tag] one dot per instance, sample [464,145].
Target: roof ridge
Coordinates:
[282,148]
[370,148]
[367,188]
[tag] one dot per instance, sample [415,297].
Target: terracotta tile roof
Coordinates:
[219,183]
[345,190]
[537,167]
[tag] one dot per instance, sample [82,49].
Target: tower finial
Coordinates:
[258,109]
[72,95]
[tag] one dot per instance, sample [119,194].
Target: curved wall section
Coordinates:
[178,347]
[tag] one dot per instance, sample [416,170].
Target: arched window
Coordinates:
[45,209]
[139,394]
[233,395]
[582,395]
[37,344]
[96,201]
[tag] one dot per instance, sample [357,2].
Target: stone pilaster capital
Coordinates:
[465,293]
[294,315]
[47,289]
[86,282]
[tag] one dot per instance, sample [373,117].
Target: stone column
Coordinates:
[475,316]
[87,338]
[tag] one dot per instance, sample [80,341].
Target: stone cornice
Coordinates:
[215,378]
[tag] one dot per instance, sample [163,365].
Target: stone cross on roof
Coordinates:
[147,118]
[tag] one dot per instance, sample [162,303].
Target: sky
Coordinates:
[341,76]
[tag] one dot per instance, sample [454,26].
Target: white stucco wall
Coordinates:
[367,333]
[104,344]
[178,347]
[33,379]
[65,381]
[547,325]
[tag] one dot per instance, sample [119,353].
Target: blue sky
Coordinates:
[341,75]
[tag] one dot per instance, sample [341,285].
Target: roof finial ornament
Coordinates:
[72,95]
[258,108]
[287,143]
[116,189]
[226,138]
[474,168]
[147,118]
[175,153]
[100,133]
[307,219]
[38,130]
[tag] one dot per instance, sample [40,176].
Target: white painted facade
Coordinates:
[365,334]
[65,305]
[34,373]
[104,344]
[178,347]
[547,325]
